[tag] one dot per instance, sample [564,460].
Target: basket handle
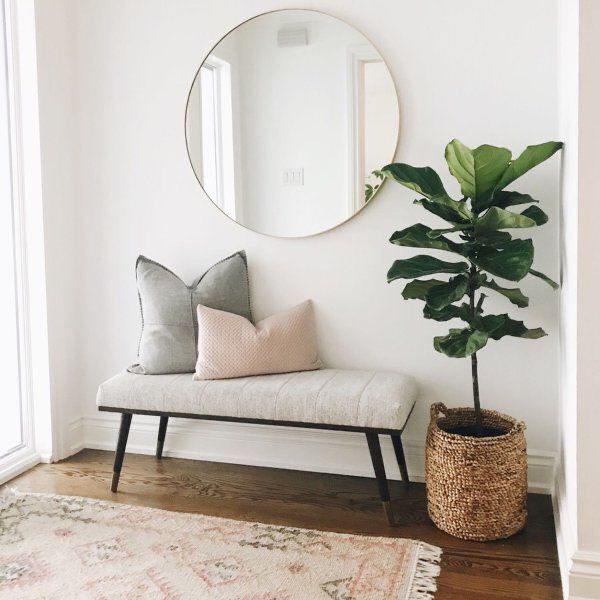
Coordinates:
[436,409]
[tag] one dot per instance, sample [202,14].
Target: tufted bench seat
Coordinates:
[370,402]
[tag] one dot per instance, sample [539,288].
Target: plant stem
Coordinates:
[474,373]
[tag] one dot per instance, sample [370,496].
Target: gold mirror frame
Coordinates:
[187,106]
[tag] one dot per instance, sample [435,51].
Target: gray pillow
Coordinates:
[169,323]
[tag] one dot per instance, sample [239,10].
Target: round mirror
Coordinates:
[287,119]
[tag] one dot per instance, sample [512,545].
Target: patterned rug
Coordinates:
[69,547]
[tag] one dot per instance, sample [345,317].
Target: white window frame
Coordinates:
[224,141]
[38,441]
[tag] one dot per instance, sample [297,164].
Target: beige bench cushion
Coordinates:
[328,396]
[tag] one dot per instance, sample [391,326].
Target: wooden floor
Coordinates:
[522,568]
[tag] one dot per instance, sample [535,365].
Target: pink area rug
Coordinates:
[69,547]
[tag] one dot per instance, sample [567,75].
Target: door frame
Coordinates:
[357,55]
[39,439]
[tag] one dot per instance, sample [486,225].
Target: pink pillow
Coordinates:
[231,346]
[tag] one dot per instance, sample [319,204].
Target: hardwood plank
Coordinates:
[525,567]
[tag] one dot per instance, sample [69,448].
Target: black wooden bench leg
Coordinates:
[378,467]
[397,442]
[162,432]
[120,453]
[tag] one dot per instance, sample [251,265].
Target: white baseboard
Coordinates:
[565,533]
[584,577]
[74,439]
[579,571]
[320,451]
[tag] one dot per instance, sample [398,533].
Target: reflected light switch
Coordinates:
[293,176]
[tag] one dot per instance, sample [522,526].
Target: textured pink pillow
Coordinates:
[231,346]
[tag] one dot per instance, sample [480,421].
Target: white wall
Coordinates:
[577,483]
[588,289]
[585,567]
[566,481]
[119,183]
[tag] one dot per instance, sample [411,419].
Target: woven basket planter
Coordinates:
[476,487]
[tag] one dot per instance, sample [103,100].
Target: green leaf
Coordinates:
[445,314]
[498,326]
[427,182]
[545,278]
[434,234]
[460,343]
[497,218]
[453,211]
[510,261]
[417,289]
[478,171]
[421,265]
[537,214]
[417,236]
[493,238]
[440,296]
[529,158]
[489,323]
[423,180]
[515,295]
[448,312]
[461,164]
[504,199]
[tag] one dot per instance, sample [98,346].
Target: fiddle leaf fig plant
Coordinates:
[477,234]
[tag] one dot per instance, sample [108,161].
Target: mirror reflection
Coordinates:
[286,120]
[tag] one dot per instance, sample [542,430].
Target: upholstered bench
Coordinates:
[364,401]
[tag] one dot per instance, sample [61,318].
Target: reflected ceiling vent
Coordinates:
[296,35]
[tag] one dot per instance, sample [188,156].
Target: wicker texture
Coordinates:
[476,487]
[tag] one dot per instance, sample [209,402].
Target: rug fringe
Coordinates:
[423,585]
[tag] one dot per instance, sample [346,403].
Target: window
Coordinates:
[211,168]
[11,423]
[217,133]
[26,434]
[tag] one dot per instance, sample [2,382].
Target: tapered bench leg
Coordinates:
[162,432]
[120,453]
[378,467]
[399,450]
